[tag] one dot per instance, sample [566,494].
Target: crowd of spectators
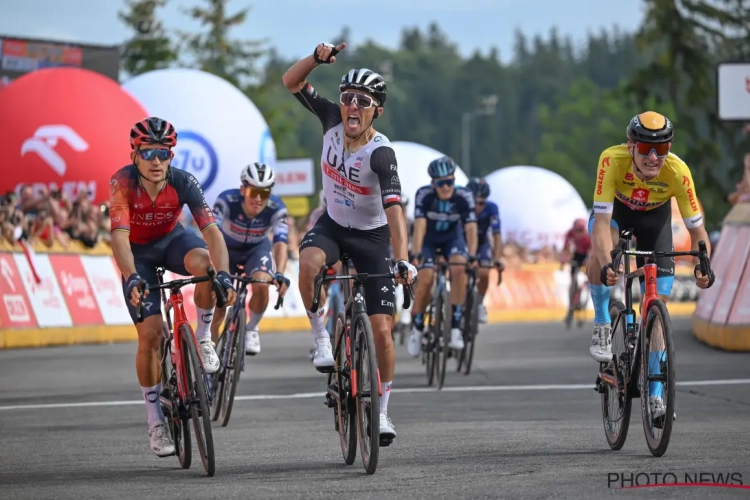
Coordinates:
[51,218]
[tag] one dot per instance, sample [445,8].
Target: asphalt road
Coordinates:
[525,424]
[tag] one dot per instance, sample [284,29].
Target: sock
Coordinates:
[481,299]
[654,368]
[600,298]
[317,322]
[205,317]
[385,388]
[153,406]
[419,321]
[255,318]
[456,320]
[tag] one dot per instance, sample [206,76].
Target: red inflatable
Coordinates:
[66,129]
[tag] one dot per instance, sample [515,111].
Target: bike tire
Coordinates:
[614,433]
[445,334]
[368,412]
[428,354]
[232,374]
[178,424]
[199,409]
[471,339]
[468,305]
[217,385]
[346,406]
[658,310]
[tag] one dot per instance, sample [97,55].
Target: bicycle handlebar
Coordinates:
[221,296]
[250,280]
[323,276]
[621,249]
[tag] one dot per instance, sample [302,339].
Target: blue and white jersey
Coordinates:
[241,231]
[444,217]
[488,222]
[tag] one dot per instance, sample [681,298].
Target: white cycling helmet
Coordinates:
[258,175]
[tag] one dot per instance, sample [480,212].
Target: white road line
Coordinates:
[408,390]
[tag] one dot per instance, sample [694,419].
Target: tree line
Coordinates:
[556,105]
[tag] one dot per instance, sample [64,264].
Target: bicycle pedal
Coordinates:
[385,441]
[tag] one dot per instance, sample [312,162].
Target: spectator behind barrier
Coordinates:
[742,194]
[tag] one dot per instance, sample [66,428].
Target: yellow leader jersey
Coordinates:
[616,180]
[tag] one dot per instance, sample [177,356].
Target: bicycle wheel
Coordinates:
[445,335]
[470,340]
[177,422]
[346,406]
[465,330]
[217,381]
[616,404]
[368,398]
[235,358]
[428,352]
[197,400]
[657,377]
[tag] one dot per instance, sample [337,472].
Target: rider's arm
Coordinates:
[604,198]
[471,237]
[468,211]
[383,163]
[497,238]
[687,202]
[420,220]
[295,79]
[119,218]
[204,219]
[280,239]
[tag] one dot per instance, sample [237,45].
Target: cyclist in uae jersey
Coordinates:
[635,183]
[363,193]
[245,217]
[146,199]
[489,251]
[442,213]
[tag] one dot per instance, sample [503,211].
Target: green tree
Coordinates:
[215,51]
[149,48]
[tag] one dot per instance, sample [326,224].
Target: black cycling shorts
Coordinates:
[653,231]
[368,250]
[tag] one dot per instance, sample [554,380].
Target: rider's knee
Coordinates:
[149,336]
[196,261]
[260,290]
[310,261]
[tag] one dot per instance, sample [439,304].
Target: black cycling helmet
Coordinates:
[442,167]
[650,127]
[365,80]
[479,188]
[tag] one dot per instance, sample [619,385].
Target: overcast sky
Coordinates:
[294,27]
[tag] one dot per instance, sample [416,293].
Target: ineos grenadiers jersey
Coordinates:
[358,186]
[241,231]
[132,209]
[443,216]
[488,220]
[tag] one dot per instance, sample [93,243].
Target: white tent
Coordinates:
[537,206]
[412,160]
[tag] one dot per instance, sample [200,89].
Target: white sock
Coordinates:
[317,323]
[481,300]
[255,318]
[385,388]
[153,406]
[205,317]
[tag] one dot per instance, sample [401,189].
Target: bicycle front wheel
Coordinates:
[177,422]
[217,383]
[616,403]
[657,378]
[235,358]
[368,398]
[470,338]
[197,399]
[444,337]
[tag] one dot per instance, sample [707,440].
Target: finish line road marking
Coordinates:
[408,390]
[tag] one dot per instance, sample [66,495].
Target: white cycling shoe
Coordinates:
[482,314]
[415,342]
[208,356]
[601,343]
[161,441]
[457,339]
[252,342]
[387,430]
[323,355]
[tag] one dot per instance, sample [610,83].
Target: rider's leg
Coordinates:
[458,298]
[484,255]
[147,363]
[600,348]
[261,266]
[421,299]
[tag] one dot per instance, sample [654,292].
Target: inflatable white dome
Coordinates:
[412,160]
[537,206]
[218,128]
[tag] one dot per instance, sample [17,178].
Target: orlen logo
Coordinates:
[640,195]
[46,138]
[196,155]
[600,180]
[605,162]
[691,198]
[628,176]
[685,181]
